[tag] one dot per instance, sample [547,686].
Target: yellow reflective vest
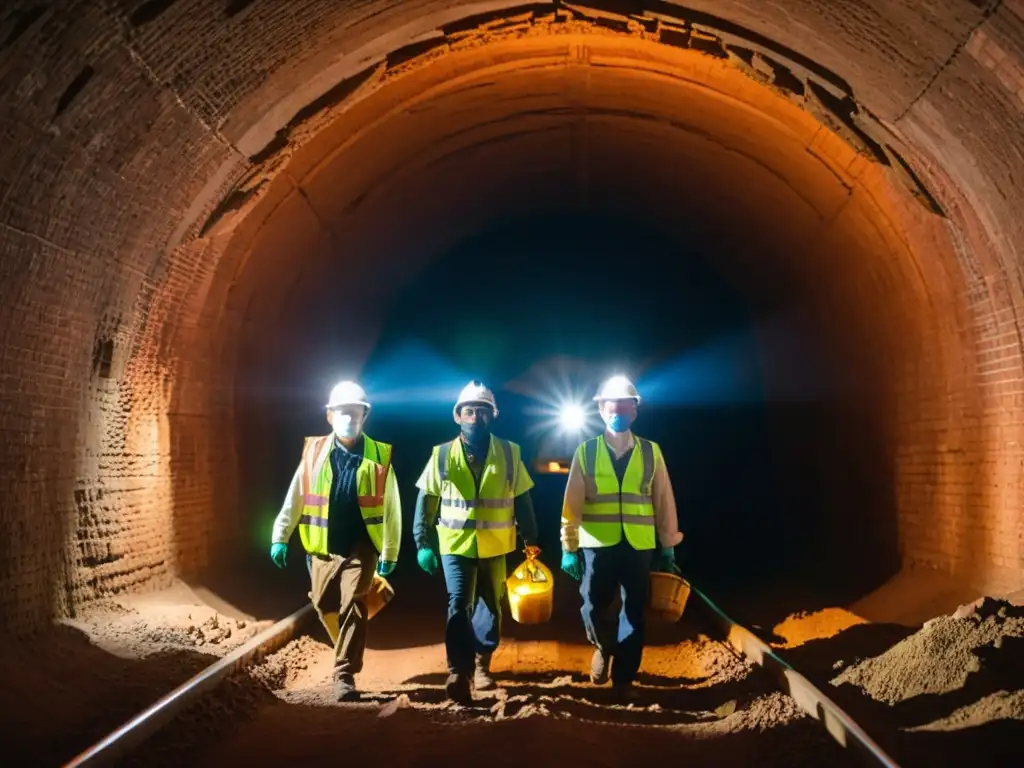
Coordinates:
[472,521]
[371,483]
[608,509]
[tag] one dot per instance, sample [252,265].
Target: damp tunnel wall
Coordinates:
[173,213]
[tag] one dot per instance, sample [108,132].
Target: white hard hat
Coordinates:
[617,388]
[475,392]
[347,393]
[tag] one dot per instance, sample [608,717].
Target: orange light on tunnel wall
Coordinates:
[650,110]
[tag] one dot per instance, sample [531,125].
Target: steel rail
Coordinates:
[808,697]
[141,727]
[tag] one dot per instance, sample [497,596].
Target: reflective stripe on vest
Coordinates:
[478,526]
[317,476]
[610,509]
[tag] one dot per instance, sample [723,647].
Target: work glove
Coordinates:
[427,560]
[572,564]
[279,554]
[532,551]
[385,567]
[665,562]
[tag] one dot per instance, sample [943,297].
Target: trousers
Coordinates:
[475,591]
[605,570]
[339,589]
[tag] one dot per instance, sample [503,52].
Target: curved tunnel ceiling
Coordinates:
[395,131]
[598,121]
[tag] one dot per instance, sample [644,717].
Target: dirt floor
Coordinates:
[68,688]
[699,702]
[947,693]
[950,692]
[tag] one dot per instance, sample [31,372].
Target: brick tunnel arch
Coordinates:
[158,258]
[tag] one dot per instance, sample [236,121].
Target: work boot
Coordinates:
[626,693]
[599,667]
[345,688]
[482,679]
[457,688]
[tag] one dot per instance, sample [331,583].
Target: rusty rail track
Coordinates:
[134,732]
[840,726]
[808,696]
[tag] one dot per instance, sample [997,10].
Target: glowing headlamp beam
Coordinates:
[572,418]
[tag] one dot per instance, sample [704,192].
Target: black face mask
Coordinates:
[476,434]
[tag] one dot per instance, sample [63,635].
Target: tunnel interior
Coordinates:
[188,278]
[796,225]
[527,299]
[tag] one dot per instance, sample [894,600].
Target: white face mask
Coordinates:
[345,426]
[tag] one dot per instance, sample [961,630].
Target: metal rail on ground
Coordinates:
[808,697]
[146,723]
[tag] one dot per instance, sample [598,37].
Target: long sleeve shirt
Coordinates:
[344,518]
[665,516]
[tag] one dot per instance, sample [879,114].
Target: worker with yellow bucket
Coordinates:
[618,524]
[474,496]
[344,500]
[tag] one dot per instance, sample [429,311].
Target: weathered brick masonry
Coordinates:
[179,178]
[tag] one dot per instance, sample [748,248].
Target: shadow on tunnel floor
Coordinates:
[895,728]
[530,737]
[825,658]
[62,693]
[562,691]
[244,588]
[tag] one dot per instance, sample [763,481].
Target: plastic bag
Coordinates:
[531,592]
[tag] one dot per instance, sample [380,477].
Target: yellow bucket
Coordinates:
[380,594]
[667,597]
[531,592]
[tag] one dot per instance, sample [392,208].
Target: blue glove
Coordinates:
[427,560]
[385,567]
[279,554]
[572,565]
[665,562]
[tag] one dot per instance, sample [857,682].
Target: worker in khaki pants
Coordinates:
[344,501]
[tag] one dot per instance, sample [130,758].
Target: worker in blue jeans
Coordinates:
[620,512]
[475,491]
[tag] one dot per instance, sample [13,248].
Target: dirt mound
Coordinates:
[62,692]
[764,713]
[941,656]
[294,664]
[997,706]
[137,631]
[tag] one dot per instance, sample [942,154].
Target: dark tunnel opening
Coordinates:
[210,214]
[527,303]
[830,251]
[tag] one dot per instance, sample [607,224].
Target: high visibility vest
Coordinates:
[470,522]
[608,509]
[317,476]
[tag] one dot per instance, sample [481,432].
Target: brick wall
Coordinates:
[126,124]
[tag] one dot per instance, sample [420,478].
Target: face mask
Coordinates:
[476,434]
[345,427]
[618,422]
